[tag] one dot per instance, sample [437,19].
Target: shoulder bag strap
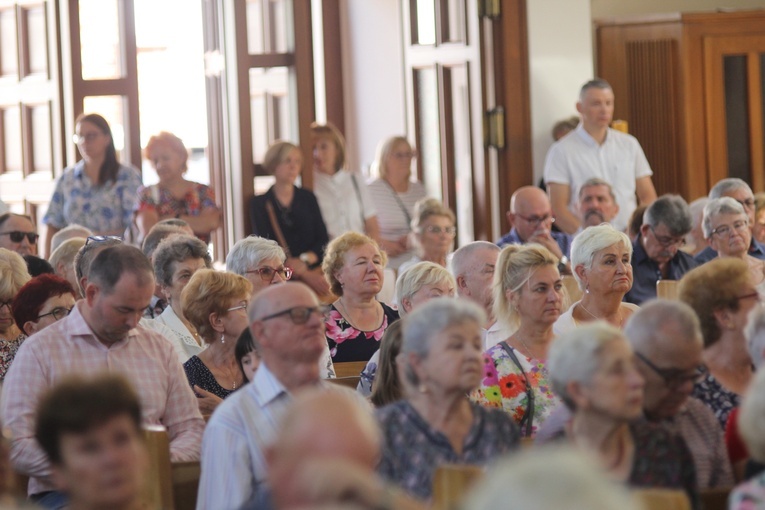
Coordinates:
[276,228]
[528,415]
[361,202]
[400,203]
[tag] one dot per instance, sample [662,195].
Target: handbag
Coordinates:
[527,421]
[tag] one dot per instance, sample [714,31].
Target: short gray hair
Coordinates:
[431,320]
[596,181]
[751,418]
[755,335]
[462,258]
[593,239]
[69,232]
[722,205]
[174,249]
[728,185]
[672,211]
[658,322]
[417,277]
[250,252]
[575,355]
[596,83]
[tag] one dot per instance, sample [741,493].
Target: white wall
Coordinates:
[560,61]
[373,67]
[605,8]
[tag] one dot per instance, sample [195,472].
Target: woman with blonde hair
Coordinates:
[13,276]
[394,194]
[528,296]
[433,233]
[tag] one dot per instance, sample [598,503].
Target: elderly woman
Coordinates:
[600,260]
[343,197]
[98,192]
[174,196]
[291,216]
[215,303]
[13,276]
[62,259]
[436,423]
[528,296]
[42,301]
[176,259]
[356,321]
[434,232]
[394,195]
[751,494]
[418,285]
[722,295]
[259,260]
[727,230]
[592,369]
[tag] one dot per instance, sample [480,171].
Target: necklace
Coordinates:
[345,314]
[621,318]
[528,351]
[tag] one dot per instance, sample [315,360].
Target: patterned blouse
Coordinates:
[159,199]
[716,397]
[750,495]
[8,350]
[106,210]
[412,449]
[349,344]
[199,375]
[504,386]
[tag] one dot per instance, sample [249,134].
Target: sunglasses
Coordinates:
[101,239]
[17,236]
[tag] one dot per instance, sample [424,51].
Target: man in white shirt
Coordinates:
[595,150]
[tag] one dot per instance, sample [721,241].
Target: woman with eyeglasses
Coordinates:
[176,259]
[433,233]
[394,194]
[722,295]
[215,303]
[18,233]
[98,192]
[727,230]
[260,260]
[43,300]
[354,267]
[13,276]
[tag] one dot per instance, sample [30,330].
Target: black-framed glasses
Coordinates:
[537,220]
[17,236]
[748,203]
[300,314]
[435,229]
[267,273]
[726,230]
[101,239]
[6,303]
[667,241]
[674,378]
[58,313]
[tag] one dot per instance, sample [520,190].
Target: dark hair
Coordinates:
[85,257]
[37,266]
[597,83]
[110,264]
[387,386]
[156,234]
[76,405]
[244,346]
[110,166]
[32,296]
[636,221]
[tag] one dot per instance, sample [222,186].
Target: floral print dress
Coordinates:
[197,200]
[8,350]
[347,343]
[503,386]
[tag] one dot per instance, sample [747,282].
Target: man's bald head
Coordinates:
[526,196]
[276,298]
[530,212]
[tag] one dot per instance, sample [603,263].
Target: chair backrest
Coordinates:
[349,368]
[169,485]
[451,482]
[715,499]
[667,289]
[663,499]
[572,289]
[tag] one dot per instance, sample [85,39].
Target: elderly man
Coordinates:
[656,253]
[530,218]
[473,269]
[102,334]
[666,338]
[287,325]
[595,150]
[597,203]
[18,233]
[259,260]
[739,191]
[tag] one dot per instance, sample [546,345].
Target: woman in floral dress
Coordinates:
[13,276]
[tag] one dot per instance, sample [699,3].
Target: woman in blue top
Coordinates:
[97,192]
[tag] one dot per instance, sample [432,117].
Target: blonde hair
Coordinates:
[418,276]
[170,141]
[210,291]
[515,265]
[13,274]
[66,252]
[329,131]
[384,152]
[276,154]
[427,207]
[334,256]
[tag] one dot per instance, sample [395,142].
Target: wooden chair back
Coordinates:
[348,373]
[169,485]
[663,499]
[715,499]
[573,291]
[667,289]
[451,482]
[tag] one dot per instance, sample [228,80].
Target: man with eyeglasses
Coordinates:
[18,233]
[530,218]
[666,338]
[656,253]
[739,191]
[287,326]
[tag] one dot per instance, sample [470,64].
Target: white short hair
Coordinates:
[417,277]
[593,239]
[715,206]
[250,252]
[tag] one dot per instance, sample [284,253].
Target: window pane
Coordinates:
[424,17]
[11,118]
[461,149]
[112,108]
[737,117]
[37,39]
[453,20]
[268,23]
[42,149]
[100,39]
[271,108]
[8,54]
[428,129]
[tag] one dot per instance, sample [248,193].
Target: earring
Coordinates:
[223,338]
[587,289]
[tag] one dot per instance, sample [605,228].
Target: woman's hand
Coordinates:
[206,400]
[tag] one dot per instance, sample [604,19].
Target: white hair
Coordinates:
[417,277]
[593,239]
[250,252]
[715,206]
[462,259]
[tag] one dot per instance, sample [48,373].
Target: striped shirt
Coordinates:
[390,215]
[69,347]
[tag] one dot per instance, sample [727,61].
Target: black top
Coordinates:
[347,343]
[199,375]
[645,272]
[301,223]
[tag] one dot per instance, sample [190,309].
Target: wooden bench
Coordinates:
[663,499]
[169,485]
[667,289]
[451,483]
[348,373]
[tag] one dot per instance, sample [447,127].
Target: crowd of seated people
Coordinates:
[478,351]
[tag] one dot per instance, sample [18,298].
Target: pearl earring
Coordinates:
[223,338]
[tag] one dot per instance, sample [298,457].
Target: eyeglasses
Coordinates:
[674,378]
[748,203]
[300,314]
[243,306]
[667,241]
[433,229]
[405,155]
[6,303]
[537,220]
[267,273]
[726,231]
[754,295]
[17,236]
[89,137]
[58,313]
[101,239]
